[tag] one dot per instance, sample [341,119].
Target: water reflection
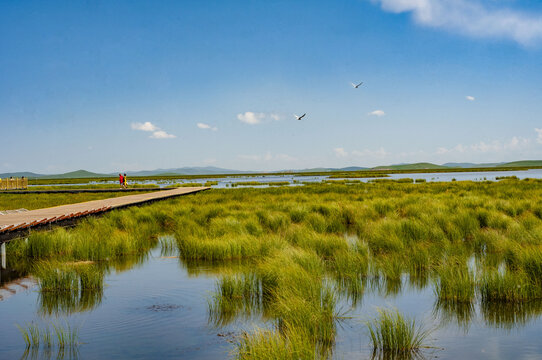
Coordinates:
[459,313]
[68,302]
[398,355]
[352,289]
[509,315]
[69,353]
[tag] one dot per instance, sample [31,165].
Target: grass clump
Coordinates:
[64,289]
[455,284]
[233,295]
[510,286]
[392,333]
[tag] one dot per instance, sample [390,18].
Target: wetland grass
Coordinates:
[393,334]
[508,287]
[294,260]
[455,284]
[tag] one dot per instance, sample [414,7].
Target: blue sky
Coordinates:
[130,85]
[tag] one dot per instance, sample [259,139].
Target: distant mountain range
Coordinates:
[212,170]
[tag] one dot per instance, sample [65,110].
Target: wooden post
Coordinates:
[3,254]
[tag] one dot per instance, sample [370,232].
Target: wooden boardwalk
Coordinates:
[21,221]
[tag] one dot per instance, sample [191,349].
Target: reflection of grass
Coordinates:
[34,336]
[508,315]
[68,288]
[392,333]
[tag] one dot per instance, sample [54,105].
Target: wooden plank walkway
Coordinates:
[16,222]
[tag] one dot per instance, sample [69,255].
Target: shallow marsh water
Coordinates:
[296,180]
[157,307]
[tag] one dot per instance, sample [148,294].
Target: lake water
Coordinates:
[156,307]
[295,180]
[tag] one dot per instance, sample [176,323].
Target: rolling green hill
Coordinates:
[526,163]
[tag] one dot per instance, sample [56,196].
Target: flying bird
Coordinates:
[356,86]
[299,117]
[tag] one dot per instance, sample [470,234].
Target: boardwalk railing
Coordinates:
[13,184]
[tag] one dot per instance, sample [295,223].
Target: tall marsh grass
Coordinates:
[393,334]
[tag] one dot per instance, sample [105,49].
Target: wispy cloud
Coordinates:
[160,134]
[207,127]
[470,98]
[150,127]
[340,152]
[146,126]
[538,135]
[378,113]
[253,118]
[472,18]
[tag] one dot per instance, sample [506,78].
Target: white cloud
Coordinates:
[251,118]
[378,113]
[207,127]
[471,18]
[160,134]
[146,126]
[470,98]
[538,135]
[254,118]
[340,152]
[150,127]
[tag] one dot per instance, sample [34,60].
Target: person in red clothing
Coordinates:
[121,181]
